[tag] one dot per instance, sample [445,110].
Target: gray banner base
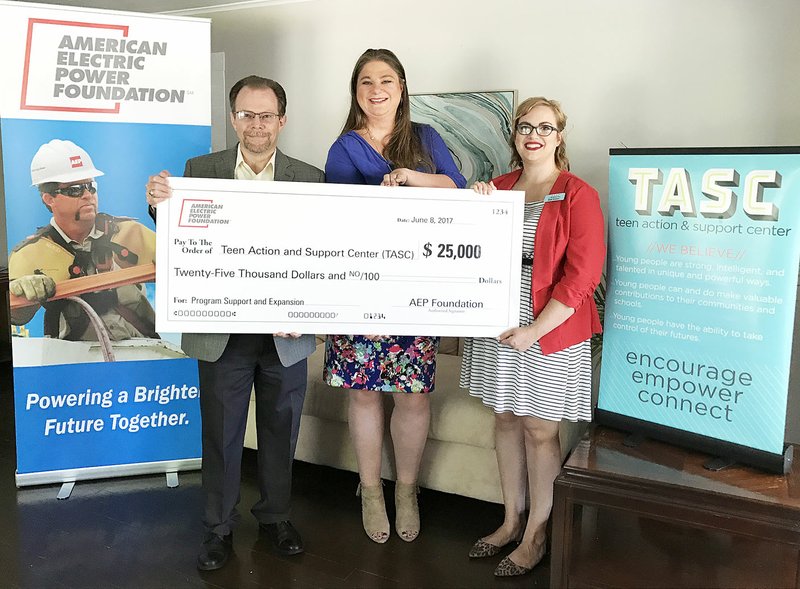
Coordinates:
[103,472]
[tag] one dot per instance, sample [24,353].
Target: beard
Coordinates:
[258,143]
[86,214]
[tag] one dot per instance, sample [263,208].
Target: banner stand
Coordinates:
[65,491]
[168,467]
[774,463]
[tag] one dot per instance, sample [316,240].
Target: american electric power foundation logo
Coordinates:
[201,213]
[90,67]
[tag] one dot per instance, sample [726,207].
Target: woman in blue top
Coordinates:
[379,145]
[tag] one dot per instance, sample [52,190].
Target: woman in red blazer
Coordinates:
[539,373]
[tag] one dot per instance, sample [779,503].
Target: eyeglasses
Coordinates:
[76,190]
[542,130]
[250,116]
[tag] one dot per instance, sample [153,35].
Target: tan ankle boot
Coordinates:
[373,512]
[405,502]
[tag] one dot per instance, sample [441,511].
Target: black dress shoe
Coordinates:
[215,551]
[284,538]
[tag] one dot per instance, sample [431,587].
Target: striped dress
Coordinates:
[553,387]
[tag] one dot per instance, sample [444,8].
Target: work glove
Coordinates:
[34,287]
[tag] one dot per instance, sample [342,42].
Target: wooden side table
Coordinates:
[652,516]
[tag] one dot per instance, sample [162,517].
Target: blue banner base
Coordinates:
[103,472]
[773,463]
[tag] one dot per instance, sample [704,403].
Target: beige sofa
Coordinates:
[459,457]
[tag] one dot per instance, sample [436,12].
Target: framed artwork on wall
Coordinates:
[476,127]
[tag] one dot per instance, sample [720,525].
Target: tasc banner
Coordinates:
[701,287]
[110,98]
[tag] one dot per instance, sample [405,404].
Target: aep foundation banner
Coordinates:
[701,288]
[93,102]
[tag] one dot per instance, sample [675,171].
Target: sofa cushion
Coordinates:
[456,416]
[449,345]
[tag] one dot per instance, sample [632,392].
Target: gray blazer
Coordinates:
[221,164]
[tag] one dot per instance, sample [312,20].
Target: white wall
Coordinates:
[643,73]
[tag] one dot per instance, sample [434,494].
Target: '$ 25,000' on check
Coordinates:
[238,256]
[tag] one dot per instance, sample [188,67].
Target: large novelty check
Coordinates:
[240,256]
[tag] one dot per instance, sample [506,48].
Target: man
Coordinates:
[231,365]
[79,241]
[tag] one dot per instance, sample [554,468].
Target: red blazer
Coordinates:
[569,251]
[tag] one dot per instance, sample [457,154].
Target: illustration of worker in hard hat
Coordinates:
[79,241]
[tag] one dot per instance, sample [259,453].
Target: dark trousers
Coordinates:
[225,386]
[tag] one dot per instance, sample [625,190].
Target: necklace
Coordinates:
[372,137]
[377,146]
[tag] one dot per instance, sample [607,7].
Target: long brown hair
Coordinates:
[526,106]
[404,149]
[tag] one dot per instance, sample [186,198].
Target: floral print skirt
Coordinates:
[402,364]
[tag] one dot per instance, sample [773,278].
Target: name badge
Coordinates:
[554,197]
